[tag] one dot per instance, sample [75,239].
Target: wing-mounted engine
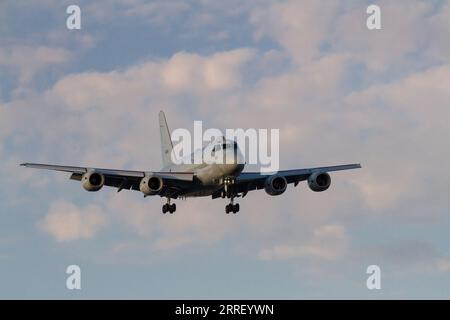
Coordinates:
[151,185]
[92,181]
[275,185]
[319,181]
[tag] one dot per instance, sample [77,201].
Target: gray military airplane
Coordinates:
[218,180]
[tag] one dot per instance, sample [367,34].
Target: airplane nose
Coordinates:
[234,162]
[234,157]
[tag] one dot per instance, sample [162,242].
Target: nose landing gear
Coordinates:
[171,208]
[229,192]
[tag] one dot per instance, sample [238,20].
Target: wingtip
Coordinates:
[23,164]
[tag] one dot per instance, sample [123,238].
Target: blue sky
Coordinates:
[338,92]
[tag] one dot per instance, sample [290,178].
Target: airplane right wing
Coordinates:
[248,181]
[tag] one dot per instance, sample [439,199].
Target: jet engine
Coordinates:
[92,181]
[151,185]
[275,185]
[319,181]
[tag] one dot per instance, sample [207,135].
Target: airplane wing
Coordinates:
[124,179]
[248,181]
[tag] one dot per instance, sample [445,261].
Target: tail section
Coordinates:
[166,142]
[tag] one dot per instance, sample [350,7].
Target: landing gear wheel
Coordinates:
[168,207]
[231,207]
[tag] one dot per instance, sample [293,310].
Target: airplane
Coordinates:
[218,180]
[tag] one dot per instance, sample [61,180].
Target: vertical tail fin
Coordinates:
[166,142]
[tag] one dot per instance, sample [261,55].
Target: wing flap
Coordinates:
[183,176]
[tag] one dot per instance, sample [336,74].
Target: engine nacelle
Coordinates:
[319,181]
[92,181]
[151,185]
[275,185]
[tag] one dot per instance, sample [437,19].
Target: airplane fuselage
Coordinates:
[211,176]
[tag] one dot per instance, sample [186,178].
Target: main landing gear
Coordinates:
[232,207]
[171,208]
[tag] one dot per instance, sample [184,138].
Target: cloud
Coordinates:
[443,265]
[298,26]
[438,28]
[27,61]
[79,101]
[308,30]
[78,42]
[182,73]
[405,121]
[328,242]
[156,12]
[404,34]
[188,72]
[417,255]
[67,222]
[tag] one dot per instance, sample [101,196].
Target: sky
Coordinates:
[338,93]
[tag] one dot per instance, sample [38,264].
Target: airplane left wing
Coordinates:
[123,179]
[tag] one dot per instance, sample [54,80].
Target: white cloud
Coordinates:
[188,72]
[138,8]
[328,242]
[443,265]
[417,255]
[298,26]
[439,28]
[84,41]
[67,222]
[407,119]
[182,73]
[29,60]
[412,32]
[404,32]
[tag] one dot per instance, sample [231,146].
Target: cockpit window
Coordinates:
[229,146]
[225,146]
